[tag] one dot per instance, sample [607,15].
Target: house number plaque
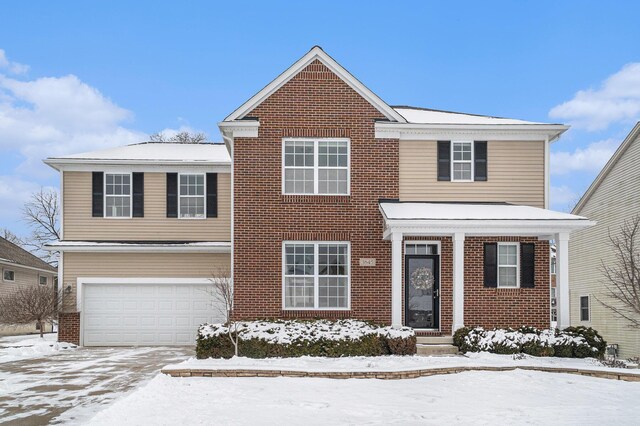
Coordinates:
[368,262]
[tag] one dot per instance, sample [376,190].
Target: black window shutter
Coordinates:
[212,195]
[97,200]
[490,264]
[172,195]
[527,265]
[480,162]
[138,194]
[444,160]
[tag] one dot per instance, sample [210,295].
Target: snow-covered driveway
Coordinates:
[479,397]
[70,386]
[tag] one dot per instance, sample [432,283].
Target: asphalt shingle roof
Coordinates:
[16,254]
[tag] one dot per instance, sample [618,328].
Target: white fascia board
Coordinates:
[82,165]
[510,132]
[239,129]
[484,227]
[7,262]
[299,65]
[222,247]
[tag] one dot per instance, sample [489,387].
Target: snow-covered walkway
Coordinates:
[514,398]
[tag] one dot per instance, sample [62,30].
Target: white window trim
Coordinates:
[588,296]
[104,197]
[10,270]
[316,167]
[517,266]
[422,242]
[40,282]
[472,162]
[316,276]
[204,177]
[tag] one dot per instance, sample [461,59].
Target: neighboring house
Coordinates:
[21,268]
[324,202]
[612,199]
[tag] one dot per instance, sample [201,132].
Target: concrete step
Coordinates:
[434,340]
[428,350]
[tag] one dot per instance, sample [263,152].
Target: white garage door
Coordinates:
[147,314]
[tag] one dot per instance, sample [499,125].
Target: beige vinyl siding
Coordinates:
[140,265]
[80,225]
[616,199]
[515,172]
[23,277]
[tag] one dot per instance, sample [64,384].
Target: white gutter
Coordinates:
[18,265]
[412,131]
[200,247]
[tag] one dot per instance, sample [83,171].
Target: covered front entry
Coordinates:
[422,286]
[474,221]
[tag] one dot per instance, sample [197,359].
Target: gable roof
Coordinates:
[316,53]
[151,153]
[632,136]
[416,115]
[11,253]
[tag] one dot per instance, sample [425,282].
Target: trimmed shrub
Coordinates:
[265,339]
[574,342]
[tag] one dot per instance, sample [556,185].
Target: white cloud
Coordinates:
[58,115]
[563,198]
[589,159]
[11,67]
[617,100]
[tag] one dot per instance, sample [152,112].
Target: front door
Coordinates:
[422,291]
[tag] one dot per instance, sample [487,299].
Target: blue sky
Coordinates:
[78,76]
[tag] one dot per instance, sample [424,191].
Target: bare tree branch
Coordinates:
[223,292]
[28,304]
[42,215]
[11,237]
[622,276]
[180,137]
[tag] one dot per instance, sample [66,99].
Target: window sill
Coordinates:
[315,199]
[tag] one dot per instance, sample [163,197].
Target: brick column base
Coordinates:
[69,327]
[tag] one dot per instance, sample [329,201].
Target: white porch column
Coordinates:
[458,280]
[562,279]
[396,279]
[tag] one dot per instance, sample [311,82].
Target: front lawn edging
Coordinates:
[392,375]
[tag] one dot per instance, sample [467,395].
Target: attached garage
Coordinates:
[145,311]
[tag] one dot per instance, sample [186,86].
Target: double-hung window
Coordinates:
[316,166]
[191,199]
[462,161]
[316,275]
[43,280]
[117,195]
[508,254]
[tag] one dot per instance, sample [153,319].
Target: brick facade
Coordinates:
[69,327]
[500,307]
[314,103]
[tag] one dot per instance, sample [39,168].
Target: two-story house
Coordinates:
[331,204]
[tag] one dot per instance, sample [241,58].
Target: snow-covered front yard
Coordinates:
[479,397]
[16,348]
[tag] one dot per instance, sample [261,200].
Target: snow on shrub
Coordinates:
[576,342]
[288,338]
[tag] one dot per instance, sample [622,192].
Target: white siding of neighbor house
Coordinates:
[615,200]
